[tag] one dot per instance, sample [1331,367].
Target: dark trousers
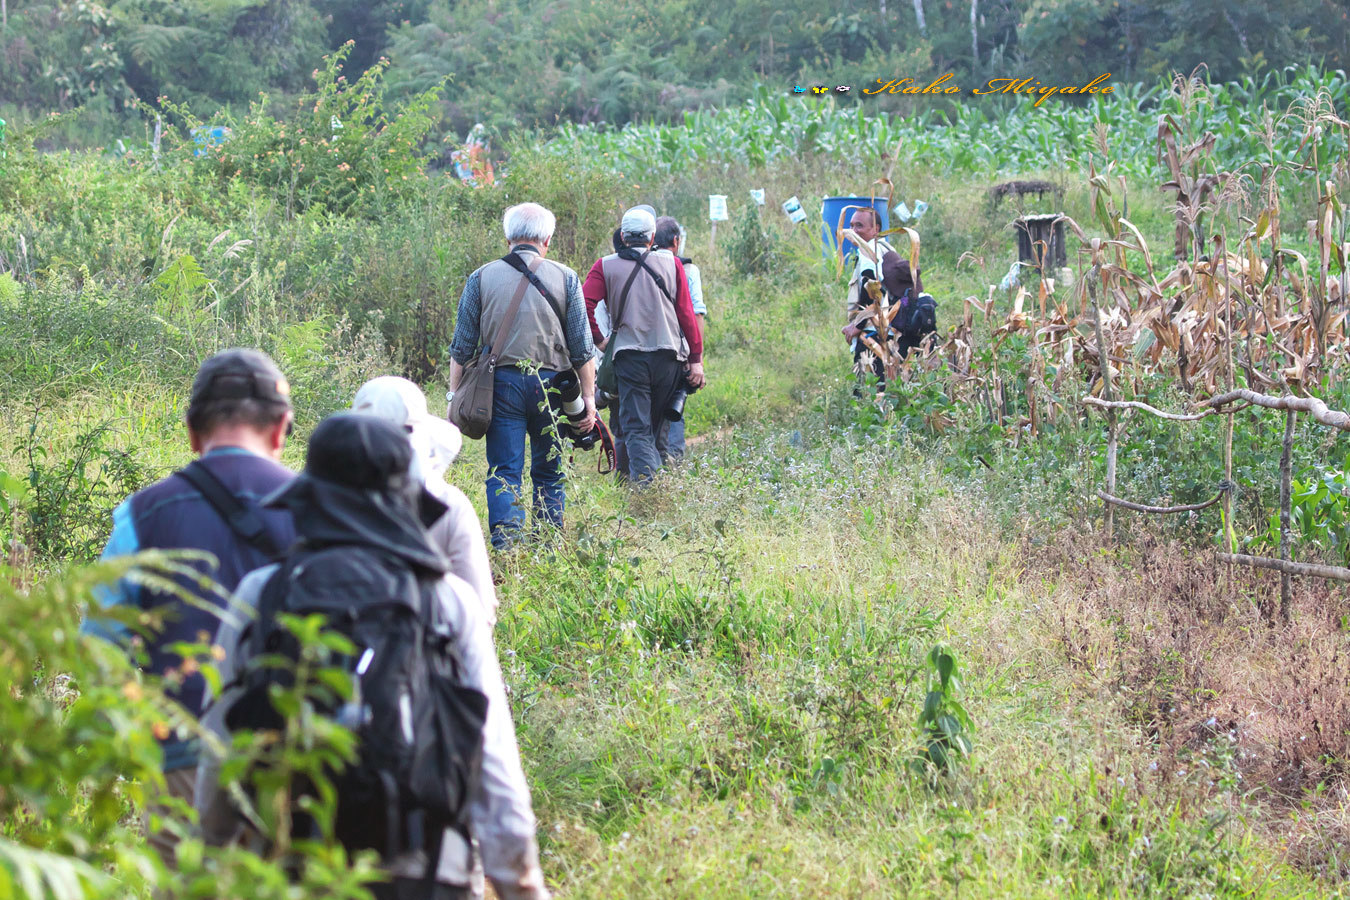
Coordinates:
[416,889]
[647,380]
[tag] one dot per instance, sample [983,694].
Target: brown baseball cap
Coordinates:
[897,277]
[238,374]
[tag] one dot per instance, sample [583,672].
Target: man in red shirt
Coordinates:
[658,342]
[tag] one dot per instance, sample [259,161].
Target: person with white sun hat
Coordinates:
[436,442]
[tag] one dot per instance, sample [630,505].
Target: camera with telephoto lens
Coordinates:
[564,395]
[675,411]
[603,398]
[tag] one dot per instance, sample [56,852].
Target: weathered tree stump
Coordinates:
[1040,241]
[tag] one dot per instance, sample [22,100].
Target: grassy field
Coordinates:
[717,682]
[717,688]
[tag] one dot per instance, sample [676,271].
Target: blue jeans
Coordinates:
[516,412]
[675,440]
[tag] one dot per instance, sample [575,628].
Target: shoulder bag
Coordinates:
[471,406]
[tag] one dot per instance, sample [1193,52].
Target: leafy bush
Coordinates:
[342,148]
[76,746]
[67,501]
[752,248]
[78,758]
[944,725]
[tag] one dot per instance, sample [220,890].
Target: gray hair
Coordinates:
[667,233]
[528,222]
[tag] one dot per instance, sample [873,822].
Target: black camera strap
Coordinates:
[246,522]
[513,260]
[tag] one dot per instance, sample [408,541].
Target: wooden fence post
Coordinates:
[1104,361]
[1230,544]
[1290,417]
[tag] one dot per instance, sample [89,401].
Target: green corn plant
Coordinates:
[1015,137]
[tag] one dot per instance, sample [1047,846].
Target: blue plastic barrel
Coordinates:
[208,136]
[833,207]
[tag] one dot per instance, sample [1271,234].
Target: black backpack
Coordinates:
[919,318]
[419,728]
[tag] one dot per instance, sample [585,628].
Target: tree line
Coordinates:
[513,64]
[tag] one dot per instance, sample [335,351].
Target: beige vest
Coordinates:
[538,333]
[866,260]
[646,319]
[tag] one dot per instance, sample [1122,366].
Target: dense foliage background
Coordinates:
[516,63]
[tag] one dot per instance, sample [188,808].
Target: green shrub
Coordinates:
[78,759]
[944,725]
[752,247]
[343,148]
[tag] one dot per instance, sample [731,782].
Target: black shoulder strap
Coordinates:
[271,601]
[632,254]
[244,521]
[660,282]
[514,261]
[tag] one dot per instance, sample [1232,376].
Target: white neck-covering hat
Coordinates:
[400,402]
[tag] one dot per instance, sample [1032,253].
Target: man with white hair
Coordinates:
[549,332]
[657,341]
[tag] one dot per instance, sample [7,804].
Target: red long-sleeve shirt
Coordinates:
[593,289]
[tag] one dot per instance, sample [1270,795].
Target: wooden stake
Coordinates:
[1290,417]
[1230,544]
[1104,361]
[712,238]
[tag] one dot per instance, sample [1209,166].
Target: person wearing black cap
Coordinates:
[358,494]
[238,417]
